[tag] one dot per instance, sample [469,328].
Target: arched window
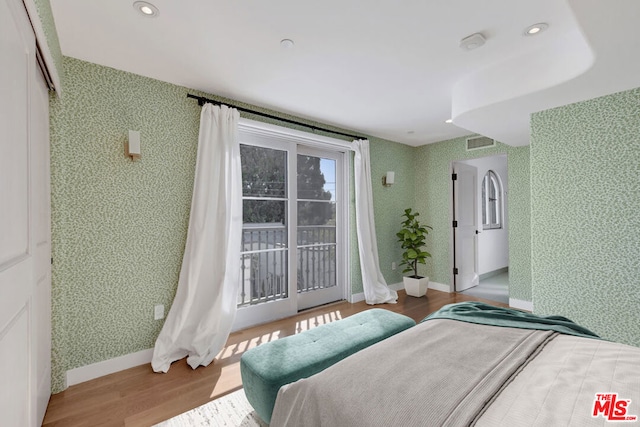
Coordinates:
[491,201]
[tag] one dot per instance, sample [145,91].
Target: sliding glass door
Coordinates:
[294,240]
[318,236]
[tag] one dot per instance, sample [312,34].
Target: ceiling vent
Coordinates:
[478,142]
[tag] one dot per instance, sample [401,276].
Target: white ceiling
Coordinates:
[386,68]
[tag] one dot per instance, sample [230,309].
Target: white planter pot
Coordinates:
[416,287]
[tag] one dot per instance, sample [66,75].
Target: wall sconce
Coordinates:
[132,147]
[388,179]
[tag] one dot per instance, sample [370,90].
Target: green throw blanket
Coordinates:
[485,314]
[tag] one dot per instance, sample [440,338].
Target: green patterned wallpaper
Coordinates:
[119,227]
[433,201]
[585,204]
[389,204]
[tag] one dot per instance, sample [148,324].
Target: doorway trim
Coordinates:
[451,284]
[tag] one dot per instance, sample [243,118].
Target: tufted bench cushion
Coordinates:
[268,367]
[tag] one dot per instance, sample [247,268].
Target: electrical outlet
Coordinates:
[393,265]
[158,312]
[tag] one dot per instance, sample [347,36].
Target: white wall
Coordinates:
[493,245]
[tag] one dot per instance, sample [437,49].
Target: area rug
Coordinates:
[232,410]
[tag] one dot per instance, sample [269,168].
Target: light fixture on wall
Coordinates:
[389,179]
[132,146]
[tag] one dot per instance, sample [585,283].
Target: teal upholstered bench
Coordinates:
[268,367]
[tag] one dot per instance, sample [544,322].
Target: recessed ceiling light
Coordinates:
[448,121]
[286,43]
[146,9]
[535,29]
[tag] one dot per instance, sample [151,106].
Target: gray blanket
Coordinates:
[444,365]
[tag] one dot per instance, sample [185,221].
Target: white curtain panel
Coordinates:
[204,307]
[375,287]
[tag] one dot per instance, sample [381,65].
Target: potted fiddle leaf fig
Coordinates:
[412,238]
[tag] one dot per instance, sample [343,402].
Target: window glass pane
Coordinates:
[493,205]
[316,234]
[316,178]
[263,212]
[263,277]
[493,187]
[316,267]
[316,213]
[493,211]
[491,201]
[485,220]
[262,237]
[264,171]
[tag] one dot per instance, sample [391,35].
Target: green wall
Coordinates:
[119,227]
[389,204]
[585,210]
[433,201]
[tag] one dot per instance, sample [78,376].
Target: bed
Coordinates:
[473,364]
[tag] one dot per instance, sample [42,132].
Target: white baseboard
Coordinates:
[106,367]
[398,286]
[360,295]
[439,287]
[520,304]
[357,297]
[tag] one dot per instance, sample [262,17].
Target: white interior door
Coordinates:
[466,217]
[25,278]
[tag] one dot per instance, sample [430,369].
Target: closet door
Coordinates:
[25,279]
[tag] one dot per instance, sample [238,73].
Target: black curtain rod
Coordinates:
[202,100]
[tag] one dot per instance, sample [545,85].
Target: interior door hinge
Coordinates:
[454,224]
[455,270]
[454,177]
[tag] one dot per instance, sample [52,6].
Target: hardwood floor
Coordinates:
[140,397]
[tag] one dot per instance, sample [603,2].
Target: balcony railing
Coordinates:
[264,261]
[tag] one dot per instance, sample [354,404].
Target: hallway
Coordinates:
[494,288]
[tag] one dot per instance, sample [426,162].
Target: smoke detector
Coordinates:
[471,42]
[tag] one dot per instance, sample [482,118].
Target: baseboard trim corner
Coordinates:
[360,295]
[397,286]
[520,304]
[439,287]
[110,366]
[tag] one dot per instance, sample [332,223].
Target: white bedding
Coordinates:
[446,372]
[558,387]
